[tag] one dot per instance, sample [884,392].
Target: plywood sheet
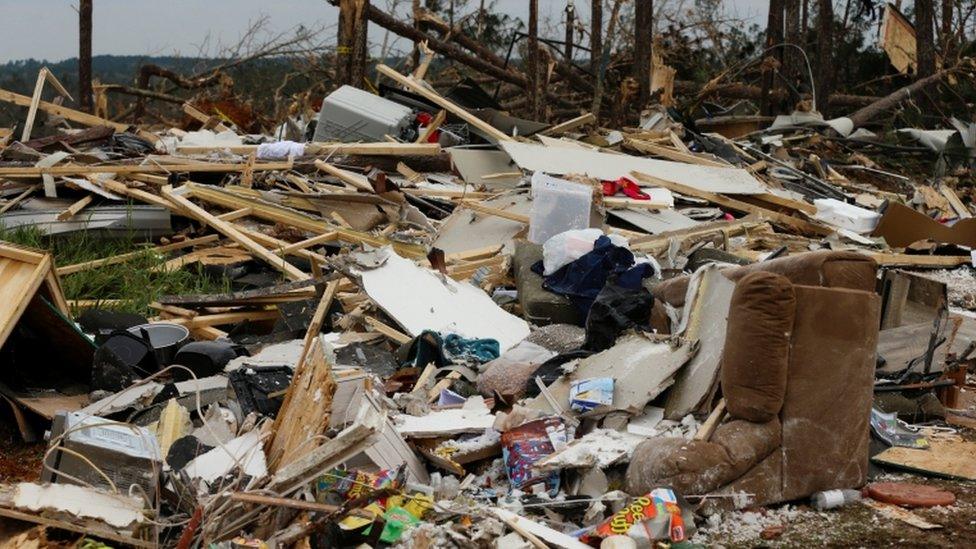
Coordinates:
[606,166]
[420,299]
[944,459]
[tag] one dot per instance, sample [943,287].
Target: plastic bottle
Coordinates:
[831,499]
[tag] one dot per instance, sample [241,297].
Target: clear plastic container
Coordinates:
[558,205]
[831,499]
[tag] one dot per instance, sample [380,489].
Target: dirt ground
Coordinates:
[800,525]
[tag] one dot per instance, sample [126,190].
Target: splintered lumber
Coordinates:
[708,428]
[231,232]
[44,75]
[207,121]
[122,258]
[289,291]
[671,154]
[487,210]
[570,125]
[805,227]
[305,413]
[661,241]
[368,149]
[434,125]
[921,261]
[220,319]
[191,167]
[356,180]
[15,200]
[70,114]
[237,198]
[443,103]
[73,209]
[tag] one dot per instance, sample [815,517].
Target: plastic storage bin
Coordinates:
[558,205]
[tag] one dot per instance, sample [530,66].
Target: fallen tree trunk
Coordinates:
[746,91]
[564,69]
[888,102]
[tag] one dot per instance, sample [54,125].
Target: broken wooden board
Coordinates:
[610,167]
[641,367]
[942,459]
[898,40]
[707,320]
[421,299]
[467,229]
[299,290]
[304,416]
[475,164]
[552,537]
[600,448]
[23,273]
[441,423]
[895,512]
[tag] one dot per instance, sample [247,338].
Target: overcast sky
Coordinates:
[48,29]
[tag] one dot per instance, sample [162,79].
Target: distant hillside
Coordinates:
[257,80]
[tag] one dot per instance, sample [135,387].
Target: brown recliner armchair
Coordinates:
[799,398]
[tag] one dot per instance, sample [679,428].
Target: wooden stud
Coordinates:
[73,209]
[444,103]
[232,233]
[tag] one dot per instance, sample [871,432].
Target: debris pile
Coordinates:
[452,328]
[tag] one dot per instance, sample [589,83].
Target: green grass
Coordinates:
[134,282]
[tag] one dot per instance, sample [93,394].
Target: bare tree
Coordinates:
[85,55]
[773,55]
[643,39]
[924,36]
[825,52]
[596,34]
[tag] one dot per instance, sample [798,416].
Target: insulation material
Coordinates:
[115,510]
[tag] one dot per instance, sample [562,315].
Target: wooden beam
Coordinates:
[358,181]
[570,125]
[73,209]
[443,103]
[791,222]
[231,232]
[15,200]
[666,152]
[44,75]
[192,167]
[921,261]
[434,125]
[475,206]
[368,149]
[122,258]
[220,319]
[70,114]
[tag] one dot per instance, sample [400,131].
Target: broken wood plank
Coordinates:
[305,413]
[70,114]
[231,232]
[912,260]
[358,181]
[803,226]
[475,206]
[73,209]
[443,102]
[569,125]
[190,167]
[121,258]
[44,75]
[434,125]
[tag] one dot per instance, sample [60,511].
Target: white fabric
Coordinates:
[280,149]
[568,246]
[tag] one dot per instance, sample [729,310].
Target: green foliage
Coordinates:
[136,282]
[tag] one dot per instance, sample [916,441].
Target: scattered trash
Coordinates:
[416,316]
